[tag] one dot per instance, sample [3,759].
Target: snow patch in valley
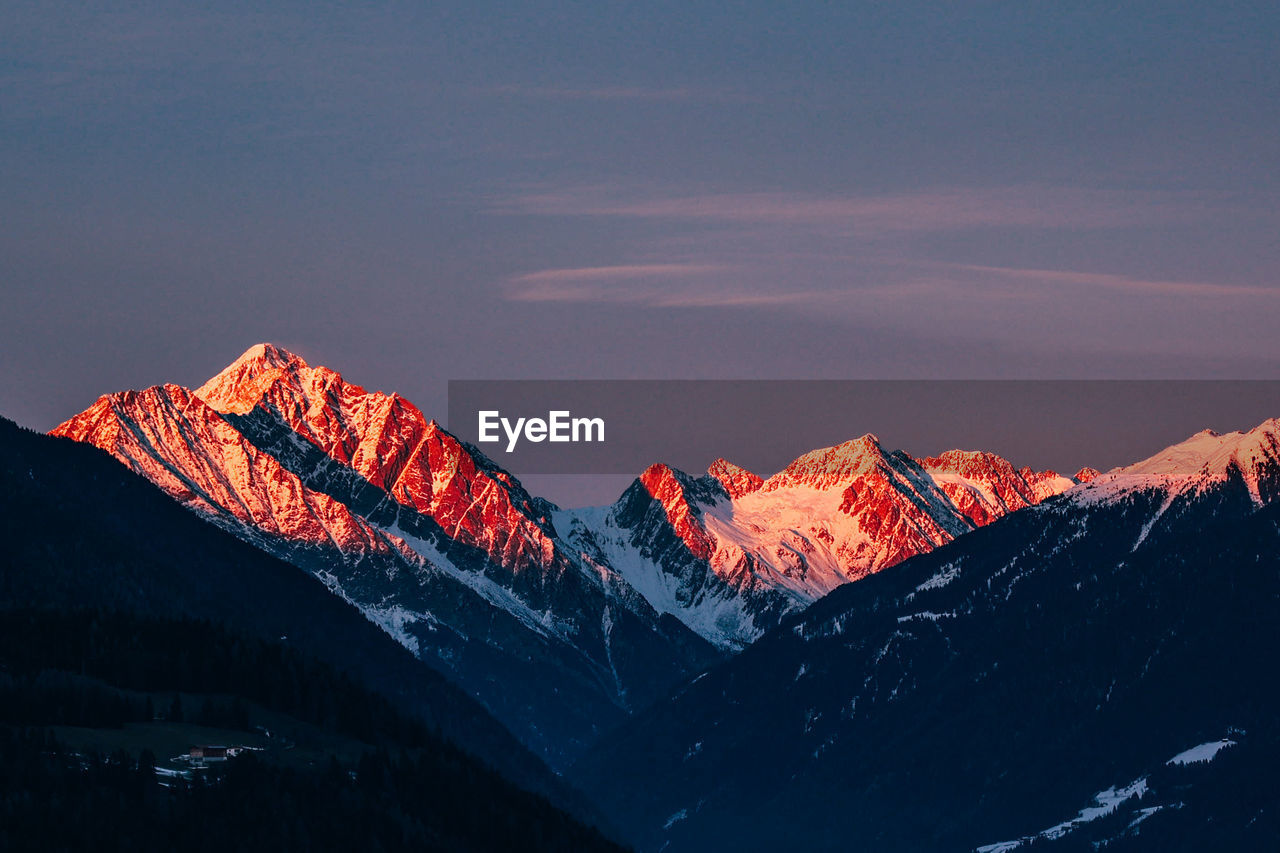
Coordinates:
[1205,752]
[945,575]
[1143,814]
[1105,802]
[926,614]
[1108,801]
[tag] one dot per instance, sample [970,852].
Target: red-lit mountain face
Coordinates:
[560,621]
[388,442]
[732,553]
[431,540]
[178,442]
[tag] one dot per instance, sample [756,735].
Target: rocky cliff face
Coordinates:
[731,553]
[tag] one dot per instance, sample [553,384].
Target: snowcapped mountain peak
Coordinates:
[670,486]
[736,480]
[658,472]
[1204,460]
[237,388]
[678,492]
[271,354]
[382,439]
[830,466]
[110,411]
[372,432]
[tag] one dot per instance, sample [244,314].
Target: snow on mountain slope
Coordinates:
[730,554]
[175,440]
[1204,460]
[423,533]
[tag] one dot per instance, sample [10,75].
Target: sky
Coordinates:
[412,193]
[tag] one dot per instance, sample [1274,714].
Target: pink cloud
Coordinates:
[616,93]
[626,271]
[1123,282]
[877,214]
[671,285]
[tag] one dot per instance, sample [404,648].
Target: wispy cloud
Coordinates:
[626,271]
[593,292]
[871,214]
[840,256]
[617,93]
[1117,281]
[670,285]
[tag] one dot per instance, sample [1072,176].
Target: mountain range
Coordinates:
[561,622]
[864,649]
[1064,678]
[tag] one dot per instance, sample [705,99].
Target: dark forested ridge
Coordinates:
[81,531]
[397,785]
[106,653]
[986,693]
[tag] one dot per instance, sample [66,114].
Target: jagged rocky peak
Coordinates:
[984,465]
[831,516]
[104,420]
[677,492]
[985,486]
[736,480]
[1086,475]
[363,429]
[98,419]
[665,496]
[830,466]
[665,483]
[968,462]
[316,402]
[372,432]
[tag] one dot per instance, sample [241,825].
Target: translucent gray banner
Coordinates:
[623,426]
